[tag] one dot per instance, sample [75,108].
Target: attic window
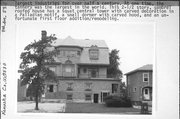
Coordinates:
[94,53]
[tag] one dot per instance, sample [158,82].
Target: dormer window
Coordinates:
[94,53]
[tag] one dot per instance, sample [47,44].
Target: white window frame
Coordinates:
[145,77]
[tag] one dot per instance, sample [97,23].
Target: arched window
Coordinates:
[68,69]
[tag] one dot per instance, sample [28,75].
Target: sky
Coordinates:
[133,40]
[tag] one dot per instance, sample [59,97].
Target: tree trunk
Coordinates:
[36,108]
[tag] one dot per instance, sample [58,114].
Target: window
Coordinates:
[60,53]
[50,88]
[69,53]
[68,68]
[146,91]
[69,96]
[114,88]
[84,70]
[94,53]
[69,86]
[88,97]
[52,69]
[64,53]
[93,72]
[134,89]
[78,53]
[145,77]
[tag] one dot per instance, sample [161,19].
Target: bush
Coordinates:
[117,101]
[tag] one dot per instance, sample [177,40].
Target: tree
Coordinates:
[113,70]
[35,58]
[123,89]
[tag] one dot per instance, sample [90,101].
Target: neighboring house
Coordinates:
[81,69]
[21,91]
[139,84]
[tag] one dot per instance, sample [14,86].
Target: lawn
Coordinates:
[57,107]
[47,107]
[98,108]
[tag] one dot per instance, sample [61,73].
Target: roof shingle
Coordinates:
[148,67]
[69,41]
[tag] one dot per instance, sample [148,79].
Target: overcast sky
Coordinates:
[133,40]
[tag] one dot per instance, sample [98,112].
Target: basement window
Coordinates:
[69,96]
[88,97]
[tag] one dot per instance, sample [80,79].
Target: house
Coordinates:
[21,93]
[81,70]
[139,84]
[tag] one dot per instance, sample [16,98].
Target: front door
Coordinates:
[146,94]
[103,95]
[96,98]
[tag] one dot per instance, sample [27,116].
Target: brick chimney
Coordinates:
[43,35]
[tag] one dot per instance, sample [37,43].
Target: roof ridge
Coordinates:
[80,42]
[144,67]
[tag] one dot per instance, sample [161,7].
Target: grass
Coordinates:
[48,107]
[57,107]
[98,108]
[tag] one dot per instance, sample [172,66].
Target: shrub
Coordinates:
[117,101]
